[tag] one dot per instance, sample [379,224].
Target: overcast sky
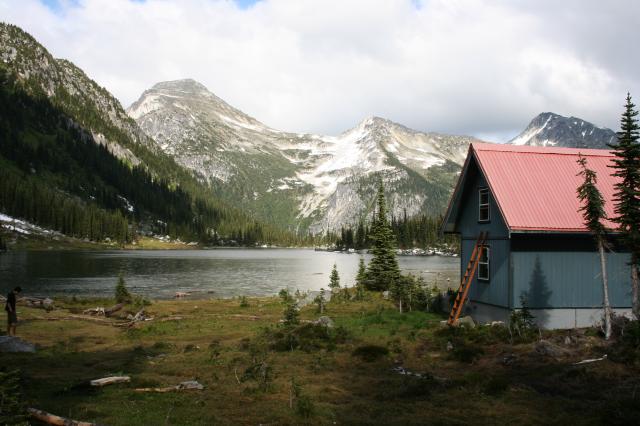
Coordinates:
[483,68]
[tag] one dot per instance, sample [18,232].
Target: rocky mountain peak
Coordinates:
[550,129]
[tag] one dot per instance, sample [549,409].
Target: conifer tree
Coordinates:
[334,279]
[383,268]
[593,214]
[627,195]
[361,279]
[121,292]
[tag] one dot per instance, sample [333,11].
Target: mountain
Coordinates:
[549,129]
[72,159]
[306,181]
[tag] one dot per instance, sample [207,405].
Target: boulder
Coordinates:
[466,322]
[546,348]
[15,344]
[324,321]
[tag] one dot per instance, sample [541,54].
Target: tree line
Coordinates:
[420,231]
[55,175]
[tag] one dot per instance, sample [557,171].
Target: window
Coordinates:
[483,210]
[483,264]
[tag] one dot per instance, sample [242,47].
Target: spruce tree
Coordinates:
[361,279]
[383,268]
[627,192]
[593,214]
[334,279]
[122,293]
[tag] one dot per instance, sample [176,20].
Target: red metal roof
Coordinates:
[535,188]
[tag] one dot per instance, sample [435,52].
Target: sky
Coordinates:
[477,67]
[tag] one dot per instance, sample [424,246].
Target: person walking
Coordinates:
[10,307]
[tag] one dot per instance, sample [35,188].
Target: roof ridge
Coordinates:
[526,149]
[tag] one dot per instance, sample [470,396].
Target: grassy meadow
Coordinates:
[257,371]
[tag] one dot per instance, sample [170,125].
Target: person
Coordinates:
[10,307]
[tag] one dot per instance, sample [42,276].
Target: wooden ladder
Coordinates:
[465,284]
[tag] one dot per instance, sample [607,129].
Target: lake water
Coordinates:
[204,273]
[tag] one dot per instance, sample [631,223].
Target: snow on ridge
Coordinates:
[528,135]
[149,104]
[23,227]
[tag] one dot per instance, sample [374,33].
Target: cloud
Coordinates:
[479,67]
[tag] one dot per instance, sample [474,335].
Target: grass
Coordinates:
[344,376]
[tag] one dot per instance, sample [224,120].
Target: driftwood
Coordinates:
[52,419]
[113,309]
[94,311]
[110,380]
[100,311]
[589,361]
[181,294]
[36,302]
[189,385]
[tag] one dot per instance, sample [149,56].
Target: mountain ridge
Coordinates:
[324,181]
[551,129]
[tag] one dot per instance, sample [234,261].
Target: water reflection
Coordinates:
[207,273]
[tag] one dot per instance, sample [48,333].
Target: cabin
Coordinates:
[537,247]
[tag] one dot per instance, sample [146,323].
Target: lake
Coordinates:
[203,273]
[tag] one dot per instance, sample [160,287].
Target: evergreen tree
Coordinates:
[334,279]
[122,293]
[319,300]
[593,214]
[627,195]
[361,279]
[383,268]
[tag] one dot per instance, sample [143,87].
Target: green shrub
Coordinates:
[305,337]
[13,410]
[244,302]
[370,353]
[122,293]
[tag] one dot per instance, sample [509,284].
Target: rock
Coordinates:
[466,322]
[325,321]
[190,384]
[15,344]
[47,303]
[497,324]
[546,348]
[509,359]
[385,294]
[449,346]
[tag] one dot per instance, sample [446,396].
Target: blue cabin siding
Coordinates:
[496,290]
[569,279]
[467,224]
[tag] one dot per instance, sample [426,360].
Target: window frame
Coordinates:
[481,191]
[487,250]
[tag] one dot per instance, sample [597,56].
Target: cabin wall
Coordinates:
[494,292]
[569,279]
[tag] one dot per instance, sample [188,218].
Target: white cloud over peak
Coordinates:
[480,67]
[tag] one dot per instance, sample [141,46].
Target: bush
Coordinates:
[140,301]
[522,322]
[370,353]
[122,293]
[306,337]
[13,410]
[627,347]
[244,302]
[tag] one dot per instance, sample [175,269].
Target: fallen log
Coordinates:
[94,311]
[189,385]
[589,361]
[113,309]
[110,380]
[52,419]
